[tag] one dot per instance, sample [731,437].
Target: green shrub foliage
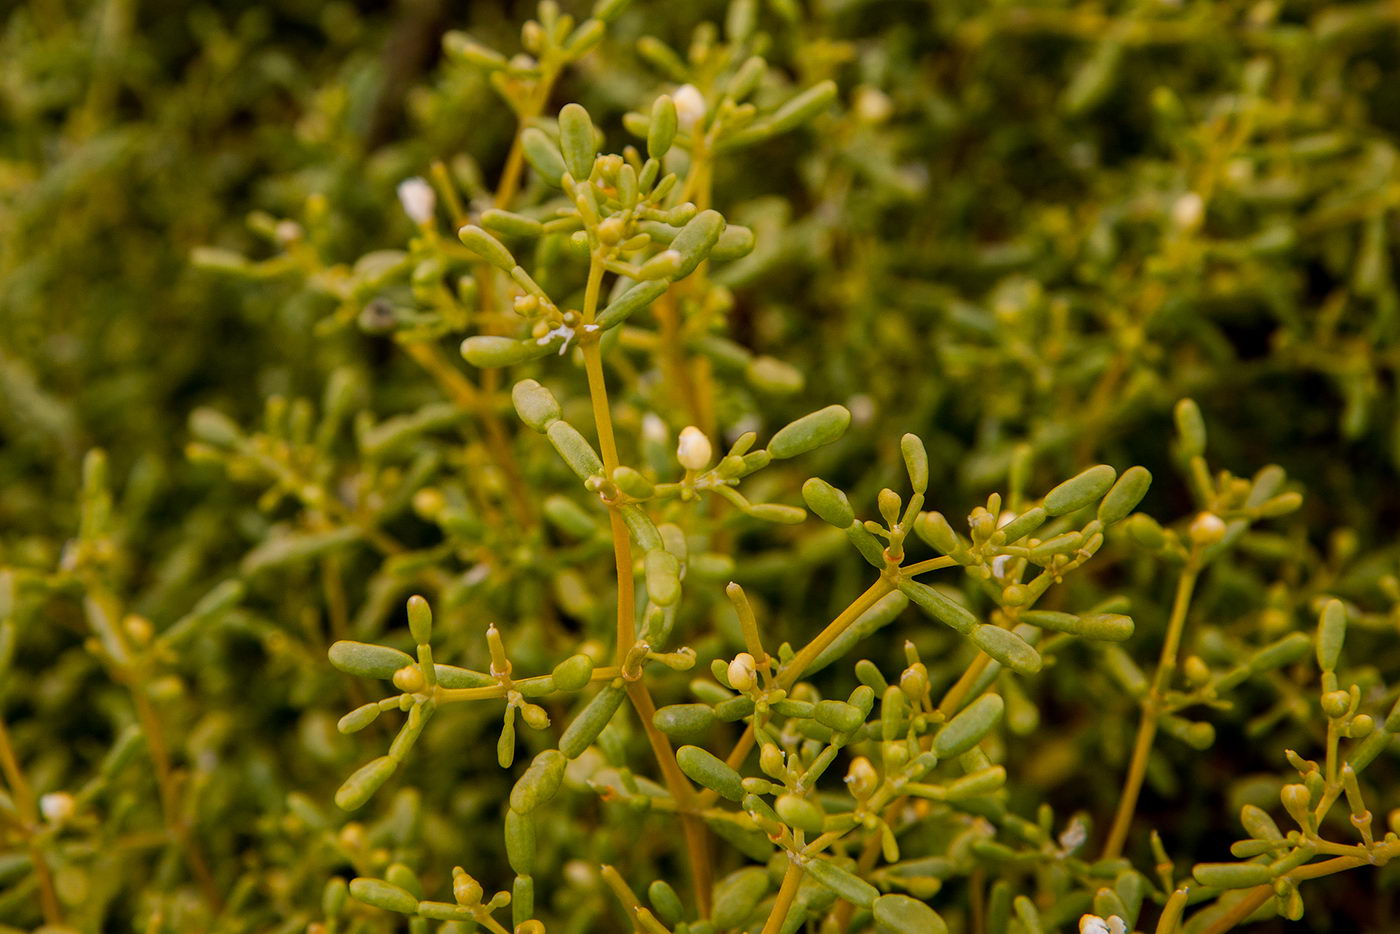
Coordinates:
[696,468]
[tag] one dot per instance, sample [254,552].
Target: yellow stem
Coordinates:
[1147,728]
[515,159]
[786,894]
[949,705]
[932,564]
[865,863]
[953,700]
[104,615]
[448,189]
[1262,893]
[977,884]
[697,180]
[697,841]
[672,356]
[450,695]
[690,380]
[793,670]
[697,845]
[29,820]
[871,851]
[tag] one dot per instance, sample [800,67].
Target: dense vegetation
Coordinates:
[977,423]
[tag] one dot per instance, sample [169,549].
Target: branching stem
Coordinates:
[28,809]
[1151,708]
[697,844]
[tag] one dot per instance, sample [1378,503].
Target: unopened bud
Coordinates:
[409,679]
[1207,529]
[862,777]
[914,681]
[771,761]
[57,806]
[693,451]
[1188,211]
[741,672]
[690,106]
[418,200]
[465,889]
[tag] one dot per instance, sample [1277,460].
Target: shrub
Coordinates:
[970,288]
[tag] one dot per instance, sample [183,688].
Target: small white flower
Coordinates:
[872,105]
[564,331]
[690,106]
[1188,211]
[418,200]
[694,449]
[580,874]
[57,806]
[862,777]
[1073,836]
[862,408]
[999,564]
[1093,924]
[288,232]
[653,428]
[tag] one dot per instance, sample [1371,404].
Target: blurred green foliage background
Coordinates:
[1027,222]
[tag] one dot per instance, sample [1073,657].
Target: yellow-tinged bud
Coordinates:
[771,761]
[534,716]
[612,230]
[914,681]
[409,679]
[1207,529]
[862,777]
[138,628]
[1335,703]
[465,889]
[741,672]
[429,502]
[1297,801]
[57,806]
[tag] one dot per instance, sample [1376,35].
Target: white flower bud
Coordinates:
[741,672]
[1074,836]
[862,777]
[690,106]
[288,232]
[1093,924]
[418,200]
[57,806]
[654,429]
[580,874]
[1188,211]
[694,451]
[1207,529]
[872,105]
[862,409]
